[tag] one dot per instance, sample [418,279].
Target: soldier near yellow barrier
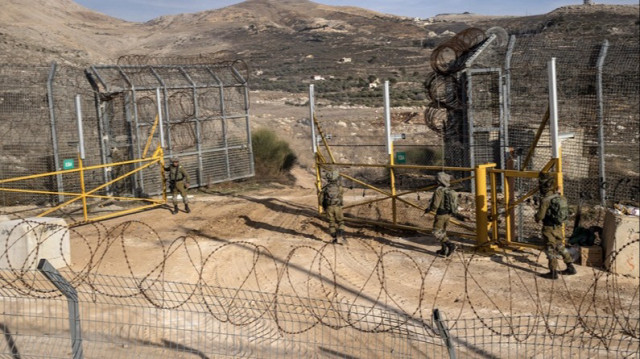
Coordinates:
[331,200]
[445,204]
[553,212]
[178,182]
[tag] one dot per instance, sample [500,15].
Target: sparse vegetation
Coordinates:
[273,157]
[424,156]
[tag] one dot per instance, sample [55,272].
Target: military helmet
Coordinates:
[333,175]
[175,159]
[443,179]
[546,181]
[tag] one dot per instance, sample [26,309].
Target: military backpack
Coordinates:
[449,201]
[558,211]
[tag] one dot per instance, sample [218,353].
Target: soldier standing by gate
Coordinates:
[331,200]
[553,212]
[178,182]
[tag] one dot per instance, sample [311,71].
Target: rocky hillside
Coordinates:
[284,41]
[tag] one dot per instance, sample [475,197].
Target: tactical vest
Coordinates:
[332,195]
[175,174]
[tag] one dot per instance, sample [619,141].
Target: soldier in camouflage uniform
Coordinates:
[331,200]
[439,203]
[178,182]
[552,228]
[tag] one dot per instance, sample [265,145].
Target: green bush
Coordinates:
[272,156]
[424,156]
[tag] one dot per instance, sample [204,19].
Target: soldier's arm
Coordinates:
[542,210]
[454,210]
[321,198]
[435,200]
[185,175]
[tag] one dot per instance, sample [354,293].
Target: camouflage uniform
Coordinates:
[331,200]
[442,216]
[178,182]
[551,232]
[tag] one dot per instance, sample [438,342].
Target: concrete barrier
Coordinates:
[23,242]
[621,244]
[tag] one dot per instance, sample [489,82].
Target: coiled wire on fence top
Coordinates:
[437,119]
[443,90]
[448,57]
[446,60]
[214,60]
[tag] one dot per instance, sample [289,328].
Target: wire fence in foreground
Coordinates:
[45,316]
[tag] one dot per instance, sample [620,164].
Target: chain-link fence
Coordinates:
[489,95]
[360,145]
[201,110]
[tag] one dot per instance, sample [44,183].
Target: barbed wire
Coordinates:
[328,281]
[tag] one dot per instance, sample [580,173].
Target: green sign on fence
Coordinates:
[68,164]
[401,157]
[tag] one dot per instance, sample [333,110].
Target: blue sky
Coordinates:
[144,10]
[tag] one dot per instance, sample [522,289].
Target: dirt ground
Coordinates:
[273,240]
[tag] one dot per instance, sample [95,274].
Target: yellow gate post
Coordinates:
[482,218]
[83,191]
[392,174]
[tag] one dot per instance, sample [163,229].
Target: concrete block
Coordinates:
[23,242]
[621,244]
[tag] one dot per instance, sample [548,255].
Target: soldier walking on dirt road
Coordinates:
[553,212]
[444,203]
[331,200]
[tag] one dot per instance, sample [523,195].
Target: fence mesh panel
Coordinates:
[204,111]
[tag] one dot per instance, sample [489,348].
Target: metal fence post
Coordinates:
[444,333]
[72,299]
[54,133]
[601,145]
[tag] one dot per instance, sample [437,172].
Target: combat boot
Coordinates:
[335,238]
[175,209]
[443,250]
[553,274]
[186,208]
[571,270]
[342,235]
[451,247]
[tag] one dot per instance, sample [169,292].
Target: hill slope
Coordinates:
[283,39]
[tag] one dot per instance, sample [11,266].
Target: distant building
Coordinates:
[317,77]
[344,60]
